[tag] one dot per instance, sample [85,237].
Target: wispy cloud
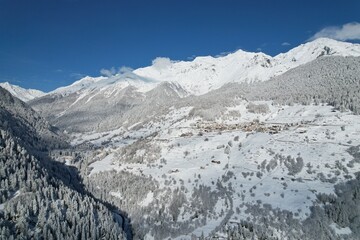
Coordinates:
[114,71]
[77,75]
[124,69]
[348,31]
[262,47]
[10,79]
[161,62]
[108,72]
[192,57]
[285,44]
[222,54]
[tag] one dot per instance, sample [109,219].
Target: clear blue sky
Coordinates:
[51,43]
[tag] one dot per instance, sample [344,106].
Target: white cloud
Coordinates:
[108,72]
[285,44]
[348,31]
[124,69]
[115,71]
[77,75]
[161,63]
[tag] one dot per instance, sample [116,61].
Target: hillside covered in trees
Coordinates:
[41,198]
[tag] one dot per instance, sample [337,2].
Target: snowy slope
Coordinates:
[204,74]
[21,93]
[114,84]
[283,161]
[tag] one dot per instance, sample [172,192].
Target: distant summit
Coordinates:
[22,93]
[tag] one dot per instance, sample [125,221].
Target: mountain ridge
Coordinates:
[207,73]
[23,94]
[204,73]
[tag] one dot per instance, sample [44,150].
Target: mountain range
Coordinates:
[104,103]
[238,146]
[201,75]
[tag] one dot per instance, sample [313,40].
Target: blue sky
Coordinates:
[45,44]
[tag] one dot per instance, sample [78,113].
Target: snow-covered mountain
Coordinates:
[93,98]
[22,93]
[191,150]
[204,74]
[246,161]
[111,85]
[208,73]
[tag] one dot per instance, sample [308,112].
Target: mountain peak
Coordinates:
[113,83]
[320,47]
[22,93]
[324,40]
[339,46]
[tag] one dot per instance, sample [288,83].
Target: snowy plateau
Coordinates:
[242,146]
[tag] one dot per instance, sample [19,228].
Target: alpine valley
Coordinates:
[240,146]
